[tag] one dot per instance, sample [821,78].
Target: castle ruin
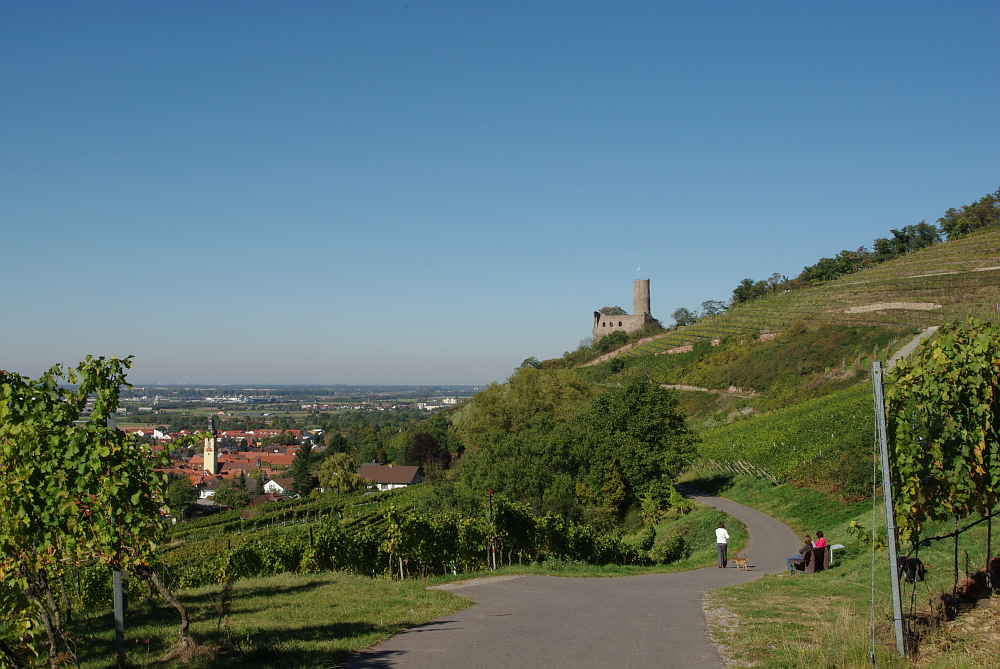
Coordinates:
[640,318]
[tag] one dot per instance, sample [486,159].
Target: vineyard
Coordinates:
[826,442]
[962,276]
[388,538]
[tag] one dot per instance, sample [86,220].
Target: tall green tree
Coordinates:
[179,494]
[509,408]
[642,428]
[683,316]
[232,494]
[339,473]
[302,470]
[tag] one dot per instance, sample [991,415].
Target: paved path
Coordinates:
[550,622]
[910,346]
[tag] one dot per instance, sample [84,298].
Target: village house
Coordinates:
[281,487]
[388,477]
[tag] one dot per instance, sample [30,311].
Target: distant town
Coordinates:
[263,429]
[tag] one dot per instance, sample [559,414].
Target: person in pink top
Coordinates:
[820,539]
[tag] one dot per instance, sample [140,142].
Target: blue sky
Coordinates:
[409,192]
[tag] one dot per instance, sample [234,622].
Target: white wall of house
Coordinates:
[273,487]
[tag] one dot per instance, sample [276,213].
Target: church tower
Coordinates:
[211,458]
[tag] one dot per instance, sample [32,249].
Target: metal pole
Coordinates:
[493,550]
[119,592]
[890,516]
[116,580]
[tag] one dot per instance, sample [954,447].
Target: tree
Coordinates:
[613,311]
[283,439]
[712,307]
[683,316]
[179,495]
[641,427]
[255,483]
[611,341]
[339,473]
[425,450]
[983,213]
[76,492]
[747,290]
[232,495]
[301,470]
[335,441]
[510,407]
[531,362]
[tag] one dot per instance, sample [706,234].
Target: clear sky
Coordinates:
[412,192]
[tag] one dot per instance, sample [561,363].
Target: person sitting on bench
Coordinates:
[806,547]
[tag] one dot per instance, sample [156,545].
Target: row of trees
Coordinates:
[981,214]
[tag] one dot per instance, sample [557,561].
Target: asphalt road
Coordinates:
[551,622]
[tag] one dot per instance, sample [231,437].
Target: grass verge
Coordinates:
[288,621]
[827,619]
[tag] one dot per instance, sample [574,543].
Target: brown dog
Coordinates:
[741,562]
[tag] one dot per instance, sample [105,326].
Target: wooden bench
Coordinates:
[813,561]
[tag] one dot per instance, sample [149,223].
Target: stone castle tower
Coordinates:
[605,325]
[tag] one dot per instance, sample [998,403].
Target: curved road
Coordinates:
[550,622]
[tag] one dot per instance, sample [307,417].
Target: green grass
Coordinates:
[288,621]
[790,621]
[319,620]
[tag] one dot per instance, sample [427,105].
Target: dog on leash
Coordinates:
[741,562]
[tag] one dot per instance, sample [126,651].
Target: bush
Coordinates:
[611,341]
[671,548]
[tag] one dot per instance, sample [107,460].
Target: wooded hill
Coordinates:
[778,386]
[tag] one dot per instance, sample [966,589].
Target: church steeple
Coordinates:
[211,458]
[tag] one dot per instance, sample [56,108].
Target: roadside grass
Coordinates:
[288,621]
[798,620]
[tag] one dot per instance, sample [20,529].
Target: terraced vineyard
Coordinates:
[828,438]
[952,280]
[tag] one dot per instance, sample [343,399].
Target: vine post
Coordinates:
[890,514]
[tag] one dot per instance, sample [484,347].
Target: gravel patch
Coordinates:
[468,583]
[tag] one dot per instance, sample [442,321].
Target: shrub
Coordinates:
[671,548]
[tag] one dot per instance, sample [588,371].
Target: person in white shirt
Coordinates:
[721,544]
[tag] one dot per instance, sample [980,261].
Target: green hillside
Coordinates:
[823,443]
[962,276]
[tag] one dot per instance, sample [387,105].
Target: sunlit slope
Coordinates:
[947,281]
[826,434]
